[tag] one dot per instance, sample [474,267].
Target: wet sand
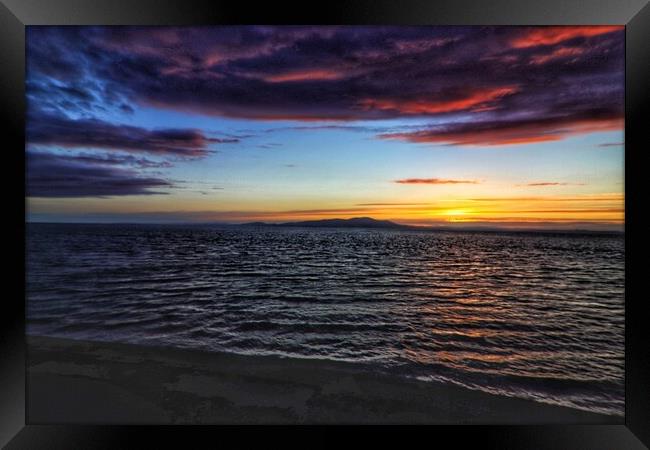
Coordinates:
[93,382]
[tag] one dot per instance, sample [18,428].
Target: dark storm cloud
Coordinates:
[50,130]
[50,175]
[503,78]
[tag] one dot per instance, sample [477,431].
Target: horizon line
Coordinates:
[451,226]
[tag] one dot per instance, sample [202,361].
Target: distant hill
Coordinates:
[356,222]
[369,222]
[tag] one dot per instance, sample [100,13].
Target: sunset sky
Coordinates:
[513,126]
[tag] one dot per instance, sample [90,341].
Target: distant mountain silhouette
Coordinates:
[356,222]
[369,222]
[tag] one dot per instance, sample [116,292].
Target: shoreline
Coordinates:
[75,381]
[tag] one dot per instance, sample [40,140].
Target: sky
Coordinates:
[505,126]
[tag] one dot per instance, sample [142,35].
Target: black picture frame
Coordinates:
[15,432]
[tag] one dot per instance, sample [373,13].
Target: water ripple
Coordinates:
[525,315]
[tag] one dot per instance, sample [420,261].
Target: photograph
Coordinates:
[355,224]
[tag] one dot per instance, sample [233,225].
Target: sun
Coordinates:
[456,215]
[456,212]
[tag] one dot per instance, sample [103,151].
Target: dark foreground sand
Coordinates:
[92,382]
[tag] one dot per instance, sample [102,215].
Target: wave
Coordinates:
[521,315]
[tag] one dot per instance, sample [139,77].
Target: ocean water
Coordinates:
[538,316]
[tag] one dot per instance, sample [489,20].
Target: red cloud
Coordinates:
[508,133]
[551,183]
[304,75]
[434,181]
[562,52]
[472,99]
[552,35]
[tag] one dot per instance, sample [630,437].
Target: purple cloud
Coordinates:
[516,131]
[49,130]
[434,181]
[50,175]
[121,160]
[550,183]
[498,77]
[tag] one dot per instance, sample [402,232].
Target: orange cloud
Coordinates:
[469,100]
[304,75]
[609,197]
[552,35]
[591,208]
[434,181]
[392,204]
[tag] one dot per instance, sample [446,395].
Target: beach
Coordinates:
[71,381]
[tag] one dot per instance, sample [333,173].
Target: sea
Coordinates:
[519,314]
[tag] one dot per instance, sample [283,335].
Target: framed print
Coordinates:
[364,214]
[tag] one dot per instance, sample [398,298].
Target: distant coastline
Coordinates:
[360,223]
[368,222]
